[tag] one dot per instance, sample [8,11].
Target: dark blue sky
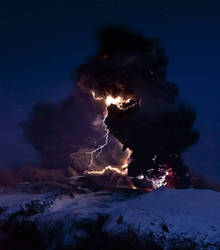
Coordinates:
[42,41]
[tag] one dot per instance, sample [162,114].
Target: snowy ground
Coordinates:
[172,219]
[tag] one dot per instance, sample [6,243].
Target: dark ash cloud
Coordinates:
[129,65]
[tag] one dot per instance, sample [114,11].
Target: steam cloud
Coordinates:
[129,65]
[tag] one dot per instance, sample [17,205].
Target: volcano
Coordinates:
[112,175]
[54,216]
[124,122]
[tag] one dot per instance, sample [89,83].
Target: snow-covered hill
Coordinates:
[120,219]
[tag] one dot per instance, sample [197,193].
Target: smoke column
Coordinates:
[160,128]
[123,119]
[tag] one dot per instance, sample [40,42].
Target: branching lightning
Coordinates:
[159,181]
[99,149]
[109,100]
[124,104]
[122,170]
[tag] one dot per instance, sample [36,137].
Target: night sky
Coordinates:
[43,41]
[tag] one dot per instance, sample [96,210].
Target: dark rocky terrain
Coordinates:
[80,215]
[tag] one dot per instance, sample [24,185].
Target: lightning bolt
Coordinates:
[105,169]
[99,149]
[160,181]
[119,102]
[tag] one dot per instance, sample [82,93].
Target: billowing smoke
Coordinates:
[160,127]
[57,130]
[30,174]
[124,117]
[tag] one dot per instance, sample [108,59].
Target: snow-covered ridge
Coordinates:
[162,219]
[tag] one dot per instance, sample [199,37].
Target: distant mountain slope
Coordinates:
[120,219]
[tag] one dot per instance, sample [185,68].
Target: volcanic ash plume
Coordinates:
[143,111]
[124,118]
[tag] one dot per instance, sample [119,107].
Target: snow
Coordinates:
[167,214]
[194,214]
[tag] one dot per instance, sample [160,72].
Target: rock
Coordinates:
[106,220]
